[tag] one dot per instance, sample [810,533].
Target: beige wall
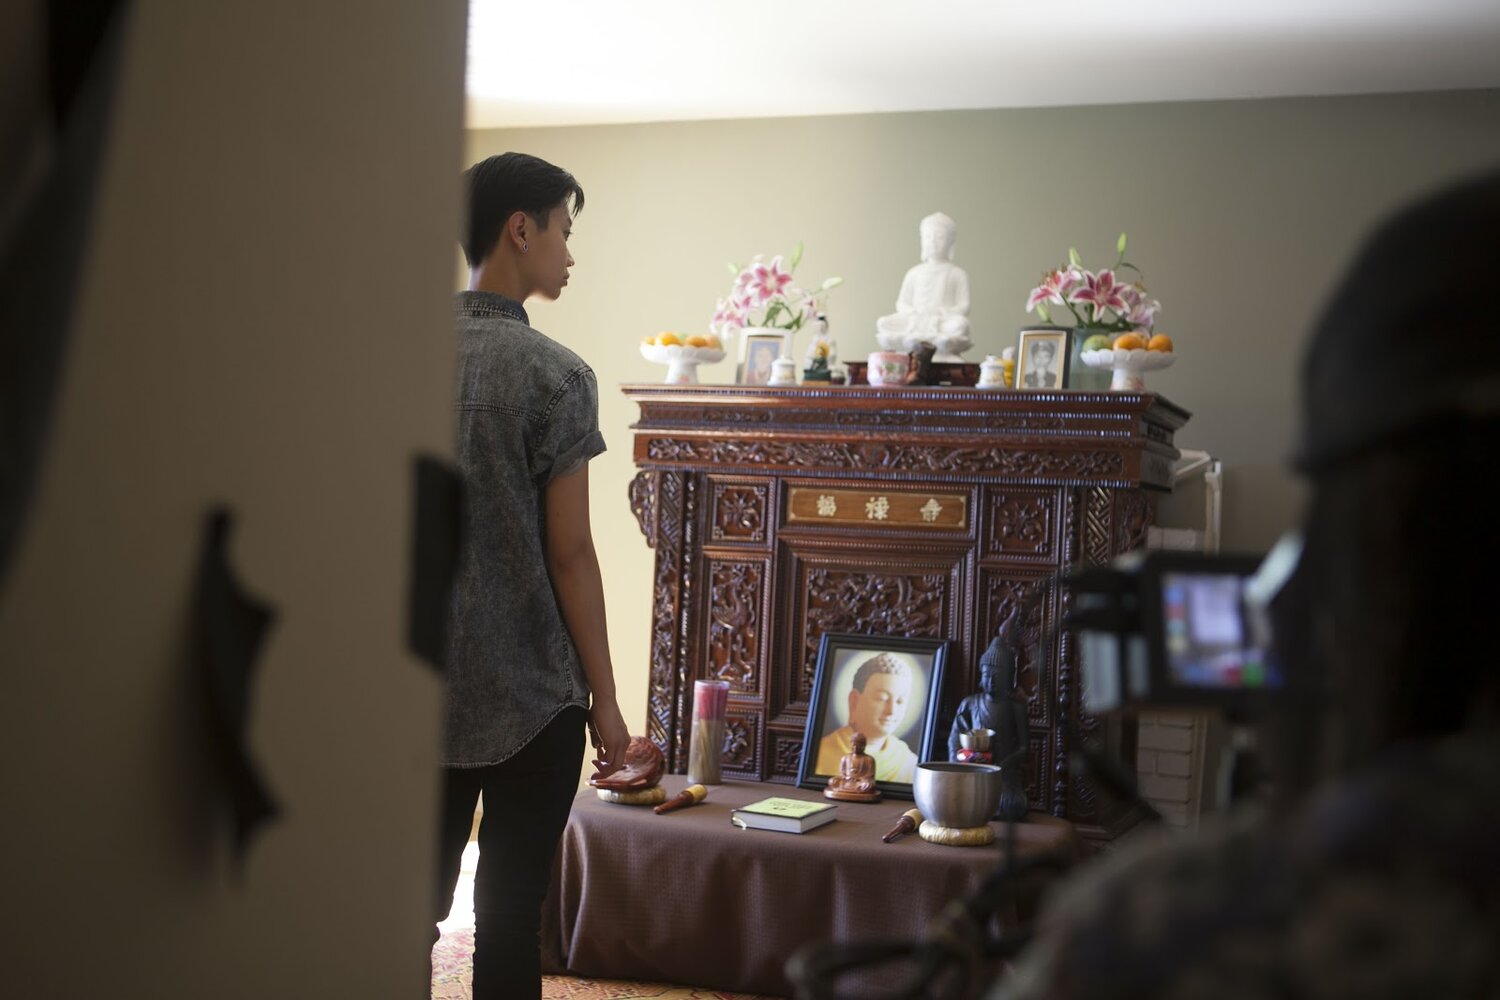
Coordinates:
[1241,215]
[264,321]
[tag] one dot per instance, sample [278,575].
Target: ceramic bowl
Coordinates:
[957,795]
[888,368]
[1129,367]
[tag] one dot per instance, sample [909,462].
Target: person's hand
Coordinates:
[610,736]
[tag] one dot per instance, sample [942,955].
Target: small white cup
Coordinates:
[783,372]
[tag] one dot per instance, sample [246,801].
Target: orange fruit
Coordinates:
[1160,342]
[697,340]
[668,340]
[713,341]
[1129,342]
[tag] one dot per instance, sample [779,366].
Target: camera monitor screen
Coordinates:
[1205,634]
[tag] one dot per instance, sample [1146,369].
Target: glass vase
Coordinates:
[1080,375]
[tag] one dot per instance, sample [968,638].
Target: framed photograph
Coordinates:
[1042,358]
[887,688]
[757,351]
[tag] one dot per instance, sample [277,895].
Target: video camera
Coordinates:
[1178,629]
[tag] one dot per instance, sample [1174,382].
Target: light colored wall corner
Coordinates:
[1241,214]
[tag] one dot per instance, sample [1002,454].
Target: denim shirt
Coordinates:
[528,412]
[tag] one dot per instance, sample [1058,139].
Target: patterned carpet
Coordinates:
[450,962]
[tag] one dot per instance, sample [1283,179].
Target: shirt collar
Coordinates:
[476,303]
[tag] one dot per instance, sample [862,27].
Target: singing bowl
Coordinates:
[957,795]
[976,739]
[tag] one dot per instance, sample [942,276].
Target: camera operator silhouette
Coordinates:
[1369,868]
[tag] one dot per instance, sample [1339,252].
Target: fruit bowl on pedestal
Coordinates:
[1129,366]
[682,361]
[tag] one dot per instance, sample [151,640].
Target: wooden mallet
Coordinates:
[908,823]
[689,796]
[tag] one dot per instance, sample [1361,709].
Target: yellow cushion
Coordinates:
[972,836]
[640,797]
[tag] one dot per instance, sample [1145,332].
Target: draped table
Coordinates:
[688,898]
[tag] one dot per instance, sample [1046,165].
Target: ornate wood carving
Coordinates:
[739,754]
[873,418]
[1023,524]
[1136,418]
[739,512]
[786,754]
[1098,505]
[643,504]
[1060,478]
[735,596]
[662,719]
[1058,464]
[717,416]
[1077,527]
[849,600]
[1038,771]
[1135,512]
[687,623]
[1003,595]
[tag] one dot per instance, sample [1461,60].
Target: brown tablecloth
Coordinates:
[688,898]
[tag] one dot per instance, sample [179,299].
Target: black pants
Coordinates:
[526,803]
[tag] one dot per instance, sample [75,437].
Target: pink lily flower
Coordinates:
[1054,288]
[768,281]
[1140,310]
[1102,292]
[728,317]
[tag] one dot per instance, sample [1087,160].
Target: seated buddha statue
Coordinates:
[855,781]
[999,707]
[933,304]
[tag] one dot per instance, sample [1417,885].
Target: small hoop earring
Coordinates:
[525,246]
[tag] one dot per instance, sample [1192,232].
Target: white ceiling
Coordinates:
[578,62]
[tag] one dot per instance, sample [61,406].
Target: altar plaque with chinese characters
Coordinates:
[879,508]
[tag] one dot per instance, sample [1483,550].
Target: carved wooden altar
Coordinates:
[778,514]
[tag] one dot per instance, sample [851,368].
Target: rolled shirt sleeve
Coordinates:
[569,434]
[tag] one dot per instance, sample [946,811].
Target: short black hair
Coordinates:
[499,187]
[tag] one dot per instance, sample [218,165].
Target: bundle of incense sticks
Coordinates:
[710,708]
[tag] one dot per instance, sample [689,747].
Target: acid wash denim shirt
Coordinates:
[528,412]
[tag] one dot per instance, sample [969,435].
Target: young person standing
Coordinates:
[528,665]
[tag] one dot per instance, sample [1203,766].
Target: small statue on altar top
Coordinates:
[855,781]
[933,304]
[822,352]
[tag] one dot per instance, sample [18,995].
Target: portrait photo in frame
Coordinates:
[890,685]
[757,351]
[1042,358]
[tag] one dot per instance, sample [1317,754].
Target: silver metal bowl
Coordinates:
[976,739]
[957,795]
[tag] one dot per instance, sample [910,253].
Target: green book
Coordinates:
[786,815]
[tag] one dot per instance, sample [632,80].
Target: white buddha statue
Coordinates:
[933,306]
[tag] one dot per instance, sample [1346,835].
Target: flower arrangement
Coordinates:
[1097,300]
[764,295]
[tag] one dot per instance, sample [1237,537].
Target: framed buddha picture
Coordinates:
[885,688]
